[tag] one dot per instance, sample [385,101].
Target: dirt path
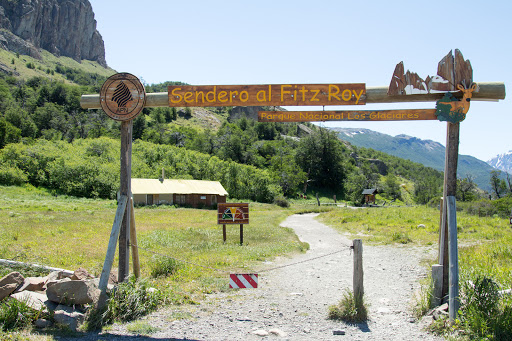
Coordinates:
[294,299]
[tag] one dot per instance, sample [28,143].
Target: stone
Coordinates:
[277,332]
[81,274]
[73,292]
[440,312]
[260,332]
[52,282]
[35,300]
[32,284]
[421,226]
[9,283]
[68,316]
[42,323]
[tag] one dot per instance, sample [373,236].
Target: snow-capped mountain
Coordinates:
[502,162]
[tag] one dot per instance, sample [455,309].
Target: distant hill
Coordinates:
[502,162]
[426,152]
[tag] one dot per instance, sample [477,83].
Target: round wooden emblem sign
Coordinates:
[122,96]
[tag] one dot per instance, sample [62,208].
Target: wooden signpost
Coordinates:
[233,213]
[122,97]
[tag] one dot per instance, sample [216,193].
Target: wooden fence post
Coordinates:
[437,284]
[357,244]
[133,240]
[453,300]
[125,189]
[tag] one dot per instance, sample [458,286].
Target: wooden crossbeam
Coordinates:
[486,91]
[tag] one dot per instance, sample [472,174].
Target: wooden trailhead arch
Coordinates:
[122,97]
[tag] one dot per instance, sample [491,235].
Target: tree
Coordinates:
[320,156]
[466,188]
[498,185]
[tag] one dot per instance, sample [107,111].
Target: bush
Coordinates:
[349,309]
[12,176]
[281,201]
[130,300]
[163,266]
[483,313]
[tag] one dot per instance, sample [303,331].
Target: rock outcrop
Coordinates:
[62,27]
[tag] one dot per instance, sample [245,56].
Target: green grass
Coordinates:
[349,309]
[48,61]
[141,328]
[68,232]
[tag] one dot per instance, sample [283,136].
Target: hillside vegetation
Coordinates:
[48,140]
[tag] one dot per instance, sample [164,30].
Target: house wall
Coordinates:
[194,200]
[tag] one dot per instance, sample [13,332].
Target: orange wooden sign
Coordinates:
[233,213]
[122,96]
[361,115]
[266,95]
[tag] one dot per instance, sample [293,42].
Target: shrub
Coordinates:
[483,313]
[349,309]
[130,300]
[281,201]
[12,176]
[163,266]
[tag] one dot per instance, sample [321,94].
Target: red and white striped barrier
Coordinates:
[243,281]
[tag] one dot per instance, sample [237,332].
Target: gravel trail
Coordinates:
[291,303]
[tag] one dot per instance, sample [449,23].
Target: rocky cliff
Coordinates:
[62,27]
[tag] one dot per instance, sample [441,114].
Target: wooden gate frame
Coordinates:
[404,87]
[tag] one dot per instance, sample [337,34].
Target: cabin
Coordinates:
[194,193]
[369,195]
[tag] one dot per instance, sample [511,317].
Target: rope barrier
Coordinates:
[260,271]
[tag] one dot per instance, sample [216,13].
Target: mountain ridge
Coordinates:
[427,152]
[62,27]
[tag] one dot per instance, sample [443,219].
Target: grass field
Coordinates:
[69,232]
[485,243]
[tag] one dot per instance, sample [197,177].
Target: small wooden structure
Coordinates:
[369,195]
[195,193]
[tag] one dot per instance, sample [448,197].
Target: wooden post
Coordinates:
[224,232]
[334,197]
[317,200]
[437,284]
[357,244]
[125,190]
[111,250]
[133,240]
[241,234]
[453,301]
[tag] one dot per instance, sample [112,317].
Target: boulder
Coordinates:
[34,300]
[9,283]
[81,274]
[32,284]
[68,316]
[42,323]
[73,292]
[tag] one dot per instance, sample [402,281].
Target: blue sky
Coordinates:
[300,42]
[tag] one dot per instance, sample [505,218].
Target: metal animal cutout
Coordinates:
[453,110]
